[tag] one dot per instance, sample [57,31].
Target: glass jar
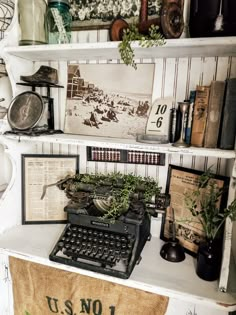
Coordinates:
[32,22]
[59,22]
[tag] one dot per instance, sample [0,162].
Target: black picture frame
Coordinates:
[89,15]
[39,170]
[181,180]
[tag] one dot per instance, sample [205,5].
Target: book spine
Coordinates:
[200,115]
[214,114]
[228,125]
[173,119]
[178,124]
[188,130]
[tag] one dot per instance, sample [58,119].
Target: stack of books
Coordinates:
[211,119]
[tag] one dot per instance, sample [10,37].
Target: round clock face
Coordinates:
[25,110]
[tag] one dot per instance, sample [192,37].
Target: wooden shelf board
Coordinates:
[176,48]
[125,144]
[153,274]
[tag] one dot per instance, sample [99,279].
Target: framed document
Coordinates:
[39,171]
[188,231]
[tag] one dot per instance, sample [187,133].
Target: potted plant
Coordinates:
[204,205]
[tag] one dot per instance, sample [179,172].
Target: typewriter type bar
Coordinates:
[111,248]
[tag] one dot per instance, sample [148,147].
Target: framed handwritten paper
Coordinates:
[39,171]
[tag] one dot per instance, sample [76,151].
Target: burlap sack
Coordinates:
[43,290]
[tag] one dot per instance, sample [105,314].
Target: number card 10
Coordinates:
[159,118]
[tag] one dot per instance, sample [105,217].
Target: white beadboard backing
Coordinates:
[174,77]
[159,173]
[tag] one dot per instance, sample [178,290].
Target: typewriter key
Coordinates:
[60,244]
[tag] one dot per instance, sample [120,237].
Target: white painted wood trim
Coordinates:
[153,274]
[124,144]
[182,47]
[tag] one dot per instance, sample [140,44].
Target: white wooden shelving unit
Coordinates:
[125,144]
[174,48]
[153,274]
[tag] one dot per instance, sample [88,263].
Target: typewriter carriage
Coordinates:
[111,196]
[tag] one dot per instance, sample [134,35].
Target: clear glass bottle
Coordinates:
[32,22]
[59,22]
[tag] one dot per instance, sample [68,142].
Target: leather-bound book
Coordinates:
[200,115]
[228,125]
[215,106]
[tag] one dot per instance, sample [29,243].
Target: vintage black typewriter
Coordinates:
[94,242]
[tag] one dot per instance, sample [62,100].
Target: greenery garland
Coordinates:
[122,187]
[154,38]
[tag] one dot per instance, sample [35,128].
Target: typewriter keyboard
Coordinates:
[104,247]
[111,248]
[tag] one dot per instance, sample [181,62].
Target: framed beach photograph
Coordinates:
[188,231]
[41,171]
[108,100]
[99,14]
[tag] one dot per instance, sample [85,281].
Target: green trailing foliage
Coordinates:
[131,34]
[204,205]
[121,188]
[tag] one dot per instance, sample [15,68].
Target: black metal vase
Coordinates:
[209,260]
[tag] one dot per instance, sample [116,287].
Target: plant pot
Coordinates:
[209,260]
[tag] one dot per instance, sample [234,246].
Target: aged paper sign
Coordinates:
[38,171]
[189,231]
